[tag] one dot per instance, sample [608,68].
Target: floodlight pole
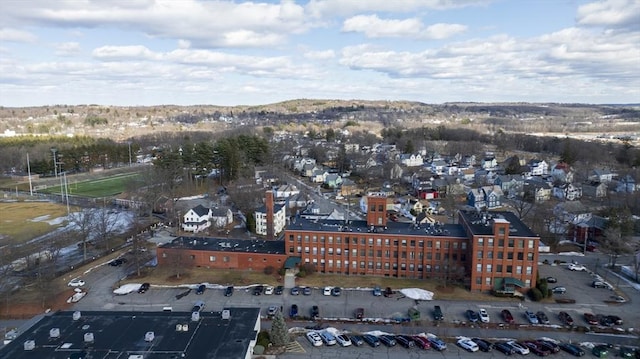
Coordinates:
[55,164]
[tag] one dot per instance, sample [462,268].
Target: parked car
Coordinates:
[551,346]
[359,313]
[468,345]
[600,351]
[484,316]
[437,313]
[577,267]
[336,291]
[306,291]
[504,348]
[565,318]
[372,340]
[268,290]
[388,340]
[356,340]
[572,349]
[507,316]
[198,306]
[536,349]
[315,312]
[388,292]
[118,262]
[591,319]
[343,340]
[377,292]
[604,320]
[437,343]
[601,284]
[626,352]
[76,282]
[552,280]
[520,348]
[257,290]
[542,317]
[201,288]
[279,290]
[326,291]
[406,341]
[532,318]
[228,291]
[472,316]
[314,338]
[615,319]
[272,311]
[484,345]
[559,290]
[144,287]
[421,342]
[295,291]
[293,312]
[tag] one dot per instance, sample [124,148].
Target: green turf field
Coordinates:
[102,187]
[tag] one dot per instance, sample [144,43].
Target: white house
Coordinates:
[279,220]
[411,160]
[538,167]
[221,217]
[196,219]
[286,191]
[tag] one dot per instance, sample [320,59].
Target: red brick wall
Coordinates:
[223,260]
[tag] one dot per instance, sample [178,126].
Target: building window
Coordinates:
[500,255]
[412,243]
[395,242]
[330,240]
[370,265]
[420,268]
[420,255]
[361,264]
[314,239]
[338,251]
[164,255]
[518,269]
[463,245]
[192,257]
[387,254]
[527,283]
[379,241]
[511,242]
[429,244]
[530,256]
[521,243]
[421,244]
[428,267]
[321,239]
[291,238]
[386,265]
[378,265]
[404,255]
[370,241]
[403,266]
[412,267]
[306,239]
[479,254]
[479,268]
[437,256]
[339,240]
[509,269]
[379,253]
[395,266]
[520,256]
[487,281]
[481,241]
[330,263]
[306,249]
[290,249]
[490,242]
[322,251]
[338,264]
[212,258]
[499,268]
[529,270]
[437,244]
[412,255]
[500,242]
[509,255]
[489,268]
[455,245]
[354,265]
[437,268]
[362,252]
[330,250]
[531,244]
[490,254]
[314,251]
[250,259]
[501,231]
[299,238]
[225,259]
[479,281]
[386,241]
[354,252]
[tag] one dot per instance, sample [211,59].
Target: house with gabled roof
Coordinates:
[196,219]
[489,163]
[511,185]
[332,180]
[485,197]
[593,189]
[286,190]
[567,191]
[562,172]
[300,163]
[319,176]
[602,175]
[537,189]
[438,166]
[411,159]
[349,188]
[221,217]
[626,184]
[538,167]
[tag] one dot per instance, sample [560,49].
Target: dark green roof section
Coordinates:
[292,262]
[507,284]
[513,281]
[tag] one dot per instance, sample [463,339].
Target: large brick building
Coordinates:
[488,250]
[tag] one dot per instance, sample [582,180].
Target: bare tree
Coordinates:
[614,244]
[105,225]
[83,225]
[521,208]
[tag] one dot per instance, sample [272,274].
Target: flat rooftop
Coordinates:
[117,335]
[228,245]
[395,228]
[481,223]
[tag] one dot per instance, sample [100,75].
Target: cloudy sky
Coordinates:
[151,52]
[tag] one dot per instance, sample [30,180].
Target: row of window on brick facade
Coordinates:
[501,255]
[511,242]
[500,268]
[488,280]
[379,242]
[384,266]
[378,253]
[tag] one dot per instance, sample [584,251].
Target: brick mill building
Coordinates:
[488,250]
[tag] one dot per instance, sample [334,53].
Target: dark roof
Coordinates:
[292,262]
[201,210]
[481,223]
[227,245]
[119,334]
[398,228]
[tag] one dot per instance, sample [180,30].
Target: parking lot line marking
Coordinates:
[295,347]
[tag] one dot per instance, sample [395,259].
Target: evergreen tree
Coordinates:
[279,332]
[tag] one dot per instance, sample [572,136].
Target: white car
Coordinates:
[76,282]
[326,291]
[468,345]
[328,338]
[577,267]
[315,339]
[268,290]
[484,316]
[343,340]
[520,349]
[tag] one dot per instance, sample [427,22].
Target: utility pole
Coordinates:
[129,142]
[55,163]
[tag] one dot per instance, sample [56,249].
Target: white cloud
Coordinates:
[67,48]
[611,13]
[327,8]
[136,52]
[374,27]
[443,31]
[16,35]
[320,55]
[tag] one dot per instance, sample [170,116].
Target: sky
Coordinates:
[218,52]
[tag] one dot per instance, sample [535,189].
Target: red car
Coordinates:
[565,318]
[507,316]
[591,319]
[537,349]
[421,342]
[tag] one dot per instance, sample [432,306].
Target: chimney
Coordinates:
[377,211]
[269,207]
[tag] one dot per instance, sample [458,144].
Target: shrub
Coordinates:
[535,294]
[282,271]
[309,268]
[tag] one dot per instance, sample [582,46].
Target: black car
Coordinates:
[279,290]
[201,289]
[551,346]
[372,340]
[504,348]
[315,311]
[484,345]
[143,288]
[356,340]
[572,349]
[542,318]
[257,290]
[228,291]
[336,291]
[552,280]
[388,340]
[614,319]
[472,316]
[405,340]
[115,263]
[294,311]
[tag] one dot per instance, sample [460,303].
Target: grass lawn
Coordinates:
[166,276]
[22,221]
[102,187]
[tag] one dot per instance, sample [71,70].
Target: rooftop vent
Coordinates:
[76,315]
[182,327]
[226,314]
[149,336]
[88,337]
[29,345]
[195,316]
[136,356]
[54,333]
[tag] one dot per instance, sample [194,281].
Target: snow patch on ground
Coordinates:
[40,219]
[377,333]
[57,221]
[417,293]
[200,196]
[127,288]
[577,254]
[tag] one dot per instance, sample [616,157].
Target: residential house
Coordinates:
[538,167]
[441,185]
[297,201]
[196,219]
[421,182]
[468,174]
[438,166]
[286,190]
[489,163]
[300,163]
[537,190]
[278,217]
[485,197]
[318,176]
[411,160]
[352,147]
[308,170]
[594,189]
[602,175]
[455,185]
[221,217]
[572,212]
[511,185]
[562,172]
[348,188]
[626,184]
[567,191]
[333,180]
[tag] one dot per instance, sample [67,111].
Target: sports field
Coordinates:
[103,187]
[23,221]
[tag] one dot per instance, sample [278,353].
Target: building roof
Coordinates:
[227,245]
[120,334]
[200,210]
[481,223]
